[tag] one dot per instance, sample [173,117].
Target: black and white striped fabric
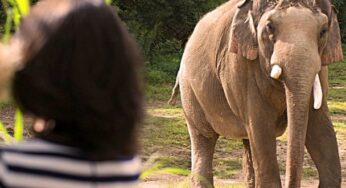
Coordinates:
[40,164]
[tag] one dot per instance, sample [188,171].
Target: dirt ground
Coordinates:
[310,176]
[169,180]
[172,180]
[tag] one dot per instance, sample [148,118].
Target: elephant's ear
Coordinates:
[243,39]
[333,50]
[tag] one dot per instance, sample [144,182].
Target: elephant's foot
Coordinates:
[270,185]
[335,184]
[248,171]
[199,181]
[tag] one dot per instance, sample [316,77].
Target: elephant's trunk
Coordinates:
[297,63]
[297,112]
[298,88]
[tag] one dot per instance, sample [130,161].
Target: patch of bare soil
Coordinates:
[7,114]
[338,85]
[338,118]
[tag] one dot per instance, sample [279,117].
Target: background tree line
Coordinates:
[162,28]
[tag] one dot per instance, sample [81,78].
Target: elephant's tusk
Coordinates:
[276,72]
[318,95]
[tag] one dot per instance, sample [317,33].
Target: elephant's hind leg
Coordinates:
[248,170]
[202,136]
[202,151]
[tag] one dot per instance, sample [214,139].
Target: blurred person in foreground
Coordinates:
[79,78]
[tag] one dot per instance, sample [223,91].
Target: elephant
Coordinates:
[252,69]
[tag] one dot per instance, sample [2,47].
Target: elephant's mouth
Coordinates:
[317,89]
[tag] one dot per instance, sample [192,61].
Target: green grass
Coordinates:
[340,128]
[166,132]
[165,138]
[158,93]
[337,107]
[337,93]
[309,172]
[166,111]
[227,168]
[337,74]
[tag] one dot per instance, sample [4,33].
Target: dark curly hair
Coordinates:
[82,71]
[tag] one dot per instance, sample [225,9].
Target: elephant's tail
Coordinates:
[173,100]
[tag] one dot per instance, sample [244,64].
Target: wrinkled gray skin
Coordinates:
[226,88]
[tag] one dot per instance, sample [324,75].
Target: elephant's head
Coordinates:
[291,39]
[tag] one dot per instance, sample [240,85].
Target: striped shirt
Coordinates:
[41,164]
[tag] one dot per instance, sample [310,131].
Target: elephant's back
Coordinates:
[220,13]
[210,36]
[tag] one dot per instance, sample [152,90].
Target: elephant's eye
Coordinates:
[323,32]
[270,28]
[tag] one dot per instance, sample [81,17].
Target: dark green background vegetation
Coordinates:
[162,28]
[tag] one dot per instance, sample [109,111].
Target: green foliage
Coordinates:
[108,1]
[173,19]
[341,7]
[18,125]
[18,129]
[158,168]
[7,28]
[15,10]
[23,6]
[162,28]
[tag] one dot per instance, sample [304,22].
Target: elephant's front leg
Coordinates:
[248,170]
[322,146]
[262,137]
